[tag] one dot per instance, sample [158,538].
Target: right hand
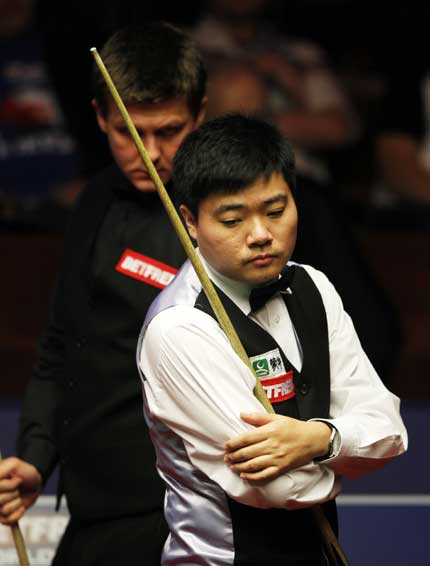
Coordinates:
[20,486]
[275,446]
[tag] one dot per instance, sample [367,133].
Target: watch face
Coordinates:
[335,443]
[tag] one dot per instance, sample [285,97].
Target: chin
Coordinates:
[145,186]
[262,278]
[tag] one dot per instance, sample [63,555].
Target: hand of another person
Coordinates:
[277,445]
[20,486]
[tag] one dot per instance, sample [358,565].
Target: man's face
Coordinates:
[248,236]
[162,126]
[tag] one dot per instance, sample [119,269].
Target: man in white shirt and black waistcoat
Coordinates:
[240,481]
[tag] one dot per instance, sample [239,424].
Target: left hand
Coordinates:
[278,444]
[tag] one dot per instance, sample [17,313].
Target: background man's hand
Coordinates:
[20,486]
[277,445]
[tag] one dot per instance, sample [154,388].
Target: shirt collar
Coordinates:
[237,291]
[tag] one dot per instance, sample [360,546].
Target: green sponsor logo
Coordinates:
[261,367]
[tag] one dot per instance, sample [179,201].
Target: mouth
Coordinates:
[262,260]
[143,175]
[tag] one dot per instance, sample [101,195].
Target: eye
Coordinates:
[169,131]
[123,131]
[276,213]
[230,222]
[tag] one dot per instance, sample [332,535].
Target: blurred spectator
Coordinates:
[254,69]
[301,93]
[386,172]
[402,143]
[39,165]
[235,86]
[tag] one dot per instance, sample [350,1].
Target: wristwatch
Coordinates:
[333,445]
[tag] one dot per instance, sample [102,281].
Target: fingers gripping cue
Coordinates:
[335,553]
[18,540]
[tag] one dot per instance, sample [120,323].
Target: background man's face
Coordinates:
[162,126]
[248,236]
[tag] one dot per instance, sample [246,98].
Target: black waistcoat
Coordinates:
[279,536]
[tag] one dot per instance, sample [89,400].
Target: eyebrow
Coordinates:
[276,198]
[231,207]
[228,208]
[174,123]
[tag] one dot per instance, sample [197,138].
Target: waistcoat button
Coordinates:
[304,388]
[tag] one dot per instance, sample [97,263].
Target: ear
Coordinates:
[190,221]
[101,120]
[202,112]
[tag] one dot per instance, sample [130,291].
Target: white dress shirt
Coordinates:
[197,386]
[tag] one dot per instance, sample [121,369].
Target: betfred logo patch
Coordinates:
[277,383]
[145,269]
[279,388]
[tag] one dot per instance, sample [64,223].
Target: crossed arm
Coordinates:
[199,388]
[277,444]
[363,411]
[196,385]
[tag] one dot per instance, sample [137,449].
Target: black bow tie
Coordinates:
[260,295]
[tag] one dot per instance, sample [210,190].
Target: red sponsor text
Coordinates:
[279,388]
[145,269]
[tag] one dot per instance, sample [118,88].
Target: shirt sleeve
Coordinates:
[36,440]
[363,410]
[197,386]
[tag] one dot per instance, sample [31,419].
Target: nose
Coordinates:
[259,235]
[152,147]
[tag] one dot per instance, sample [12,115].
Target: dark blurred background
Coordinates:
[367,44]
[380,189]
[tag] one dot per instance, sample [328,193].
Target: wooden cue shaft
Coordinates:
[18,540]
[325,528]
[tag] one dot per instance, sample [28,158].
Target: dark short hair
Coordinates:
[152,63]
[226,155]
